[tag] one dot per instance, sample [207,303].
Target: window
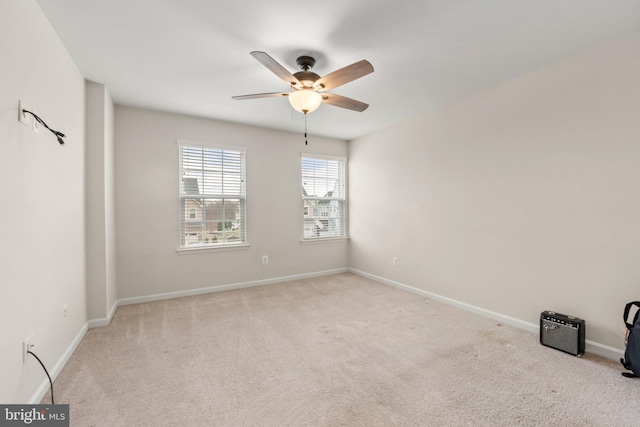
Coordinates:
[212,195]
[323,197]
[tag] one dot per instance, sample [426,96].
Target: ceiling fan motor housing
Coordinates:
[307,78]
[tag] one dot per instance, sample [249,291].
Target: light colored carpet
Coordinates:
[336,350]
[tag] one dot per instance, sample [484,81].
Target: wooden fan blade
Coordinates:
[260,95]
[344,102]
[277,69]
[344,75]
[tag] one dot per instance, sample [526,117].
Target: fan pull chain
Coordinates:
[305,129]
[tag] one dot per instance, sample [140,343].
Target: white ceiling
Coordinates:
[192,56]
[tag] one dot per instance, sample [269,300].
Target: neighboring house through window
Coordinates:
[323,197]
[212,195]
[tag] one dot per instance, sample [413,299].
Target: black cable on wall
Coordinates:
[58,135]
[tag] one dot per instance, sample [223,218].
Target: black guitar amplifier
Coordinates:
[562,332]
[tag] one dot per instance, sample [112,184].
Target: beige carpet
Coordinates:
[331,351]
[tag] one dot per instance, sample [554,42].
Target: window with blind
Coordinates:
[212,196]
[323,197]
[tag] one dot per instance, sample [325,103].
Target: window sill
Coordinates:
[323,240]
[189,251]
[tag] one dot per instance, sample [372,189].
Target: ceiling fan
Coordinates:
[307,88]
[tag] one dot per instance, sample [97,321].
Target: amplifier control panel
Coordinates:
[562,319]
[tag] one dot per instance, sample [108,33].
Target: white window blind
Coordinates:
[323,197]
[212,196]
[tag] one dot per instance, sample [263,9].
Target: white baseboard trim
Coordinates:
[57,368]
[180,294]
[590,346]
[603,350]
[96,323]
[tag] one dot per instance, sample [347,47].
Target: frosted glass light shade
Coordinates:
[305,100]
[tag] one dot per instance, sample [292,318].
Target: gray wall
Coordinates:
[147,206]
[100,202]
[42,226]
[518,199]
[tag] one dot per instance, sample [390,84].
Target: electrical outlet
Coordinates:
[65,311]
[394,261]
[26,346]
[23,118]
[265,259]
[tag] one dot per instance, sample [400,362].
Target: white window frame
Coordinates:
[340,200]
[239,231]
